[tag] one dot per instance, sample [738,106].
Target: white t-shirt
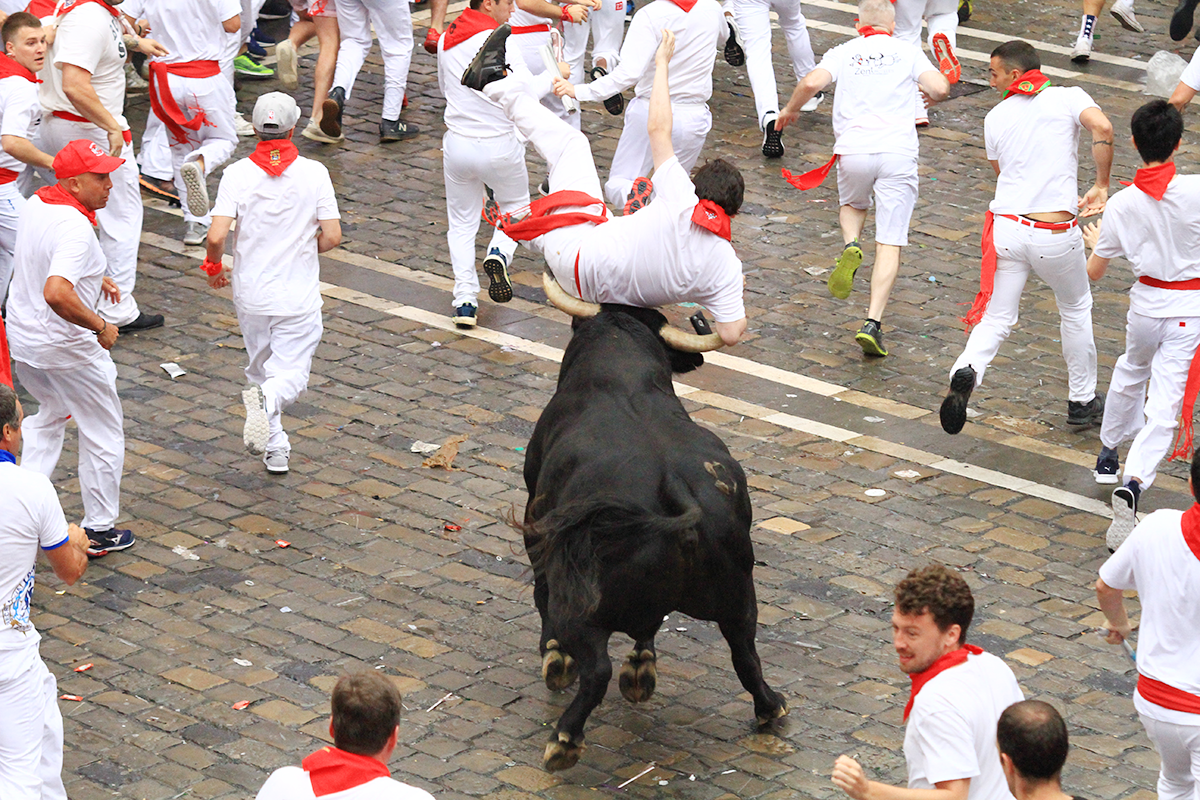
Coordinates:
[20,115]
[53,240]
[275,267]
[873,106]
[1156,561]
[87,37]
[468,112]
[32,517]
[1035,138]
[1161,239]
[659,256]
[1191,73]
[190,30]
[292,783]
[697,34]
[951,731]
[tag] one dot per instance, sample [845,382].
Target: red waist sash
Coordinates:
[1167,696]
[1046,226]
[8,176]
[544,28]
[163,102]
[1189,285]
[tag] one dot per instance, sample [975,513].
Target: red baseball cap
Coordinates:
[82,156]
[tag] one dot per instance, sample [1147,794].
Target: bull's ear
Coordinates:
[682,362]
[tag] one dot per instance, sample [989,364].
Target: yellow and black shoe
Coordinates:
[964,11]
[841,280]
[870,339]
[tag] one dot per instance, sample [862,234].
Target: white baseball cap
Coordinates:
[275,112]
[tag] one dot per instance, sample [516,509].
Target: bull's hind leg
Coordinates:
[590,647]
[639,675]
[558,668]
[740,635]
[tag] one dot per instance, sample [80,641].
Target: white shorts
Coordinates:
[893,178]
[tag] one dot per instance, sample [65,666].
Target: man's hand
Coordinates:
[576,13]
[1094,201]
[666,48]
[116,143]
[848,776]
[431,40]
[108,288]
[220,280]
[151,48]
[787,115]
[107,336]
[563,88]
[77,537]
[1117,634]
[1091,234]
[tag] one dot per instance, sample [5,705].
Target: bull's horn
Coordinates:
[689,342]
[565,302]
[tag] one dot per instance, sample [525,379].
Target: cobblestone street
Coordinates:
[246,587]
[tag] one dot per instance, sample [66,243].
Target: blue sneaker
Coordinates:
[465,315]
[261,37]
[1107,467]
[496,267]
[101,543]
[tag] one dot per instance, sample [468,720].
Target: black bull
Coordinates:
[634,512]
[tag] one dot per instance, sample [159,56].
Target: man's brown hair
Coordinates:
[17,21]
[941,592]
[366,709]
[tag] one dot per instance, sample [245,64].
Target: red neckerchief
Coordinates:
[41,8]
[951,659]
[71,5]
[1191,528]
[1153,180]
[275,155]
[542,219]
[469,23]
[686,5]
[57,196]
[333,770]
[867,30]
[1030,83]
[810,179]
[712,217]
[9,67]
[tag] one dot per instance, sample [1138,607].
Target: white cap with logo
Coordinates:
[275,112]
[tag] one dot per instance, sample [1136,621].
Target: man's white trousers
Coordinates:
[86,393]
[632,160]
[11,203]
[393,26]
[754,19]
[31,738]
[280,350]
[607,28]
[1058,259]
[1178,747]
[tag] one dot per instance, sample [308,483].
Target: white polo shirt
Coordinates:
[1157,563]
[697,34]
[275,267]
[32,518]
[293,783]
[20,115]
[951,731]
[53,240]
[659,256]
[1035,138]
[87,37]
[1161,239]
[873,105]
[190,30]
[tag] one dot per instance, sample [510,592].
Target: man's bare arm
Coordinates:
[1102,153]
[659,124]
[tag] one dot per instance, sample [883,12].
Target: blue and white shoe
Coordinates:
[465,315]
[496,267]
[1108,468]
[101,543]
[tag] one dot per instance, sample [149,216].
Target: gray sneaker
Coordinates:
[256,429]
[195,233]
[276,461]
[197,188]
[1124,508]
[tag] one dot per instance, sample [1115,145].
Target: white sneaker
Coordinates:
[313,131]
[133,81]
[1124,508]
[276,461]
[1082,50]
[257,429]
[243,126]
[197,188]
[813,102]
[1123,11]
[195,234]
[285,66]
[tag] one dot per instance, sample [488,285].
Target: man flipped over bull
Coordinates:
[675,249]
[621,531]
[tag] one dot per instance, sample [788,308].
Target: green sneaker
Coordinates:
[841,281]
[870,339]
[248,68]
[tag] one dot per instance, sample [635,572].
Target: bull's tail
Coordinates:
[569,544]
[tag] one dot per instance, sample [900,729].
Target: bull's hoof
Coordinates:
[770,716]
[638,677]
[558,668]
[562,753]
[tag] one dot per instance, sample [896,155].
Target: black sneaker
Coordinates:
[772,146]
[1124,508]
[465,315]
[160,188]
[964,11]
[870,338]
[615,104]
[331,112]
[1080,415]
[496,268]
[954,407]
[735,54]
[1107,467]
[488,64]
[101,543]
[393,130]
[144,322]
[1182,18]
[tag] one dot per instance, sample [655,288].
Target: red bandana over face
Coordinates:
[951,659]
[274,156]
[712,217]
[1029,83]
[332,770]
[469,23]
